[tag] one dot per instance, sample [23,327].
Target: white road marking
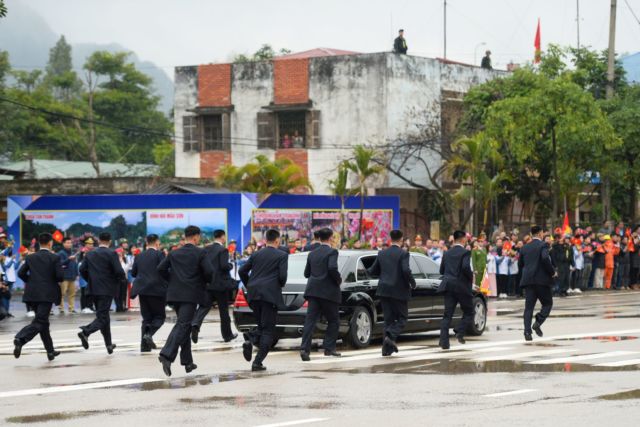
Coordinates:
[582,358]
[511,393]
[516,356]
[620,363]
[87,386]
[295,423]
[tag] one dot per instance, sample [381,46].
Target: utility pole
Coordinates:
[445,29]
[578,21]
[611,66]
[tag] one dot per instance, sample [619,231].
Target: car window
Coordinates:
[365,263]
[415,270]
[295,268]
[428,267]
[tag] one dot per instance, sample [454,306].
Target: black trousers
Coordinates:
[502,282]
[86,300]
[451,300]
[121,298]
[576,279]
[153,314]
[564,278]
[633,275]
[180,336]
[39,325]
[396,314]
[328,309]
[266,314]
[102,321]
[532,294]
[222,297]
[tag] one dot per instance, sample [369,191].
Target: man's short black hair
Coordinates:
[458,234]
[401,30]
[44,238]
[66,239]
[272,235]
[316,234]
[396,235]
[191,231]
[104,236]
[218,234]
[325,234]
[536,229]
[152,238]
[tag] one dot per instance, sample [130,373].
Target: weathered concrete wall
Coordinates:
[251,90]
[185,96]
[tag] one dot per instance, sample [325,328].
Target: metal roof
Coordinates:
[63,169]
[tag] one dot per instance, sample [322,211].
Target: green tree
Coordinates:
[265,53]
[27,80]
[163,156]
[339,186]
[3,9]
[363,167]
[59,71]
[263,176]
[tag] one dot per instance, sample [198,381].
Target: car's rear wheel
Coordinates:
[479,317]
[360,328]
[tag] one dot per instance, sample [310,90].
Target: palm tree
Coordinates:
[361,166]
[263,176]
[340,187]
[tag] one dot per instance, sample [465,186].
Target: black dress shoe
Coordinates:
[461,339]
[144,348]
[110,348]
[17,349]
[537,329]
[247,350]
[444,346]
[332,353]
[84,339]
[304,356]
[390,345]
[166,365]
[231,338]
[257,367]
[147,343]
[194,334]
[190,367]
[53,355]
[528,337]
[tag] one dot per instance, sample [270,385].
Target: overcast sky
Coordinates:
[186,32]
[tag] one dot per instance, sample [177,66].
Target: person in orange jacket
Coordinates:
[610,251]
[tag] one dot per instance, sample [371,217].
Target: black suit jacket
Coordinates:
[147,279]
[187,269]
[456,269]
[102,270]
[535,264]
[268,276]
[322,273]
[219,258]
[311,247]
[395,278]
[42,272]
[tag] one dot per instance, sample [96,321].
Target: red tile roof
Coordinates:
[314,53]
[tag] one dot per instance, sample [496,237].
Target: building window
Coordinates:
[190,134]
[292,129]
[212,132]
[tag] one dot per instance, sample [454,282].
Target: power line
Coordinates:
[632,12]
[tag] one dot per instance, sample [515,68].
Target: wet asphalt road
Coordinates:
[584,371]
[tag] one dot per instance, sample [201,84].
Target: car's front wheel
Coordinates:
[479,317]
[360,328]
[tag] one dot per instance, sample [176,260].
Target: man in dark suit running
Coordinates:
[42,272]
[218,288]
[457,288]
[102,270]
[538,273]
[187,269]
[151,288]
[394,289]
[264,275]
[323,294]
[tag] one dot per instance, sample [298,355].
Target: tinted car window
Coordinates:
[295,270]
[428,267]
[367,262]
[415,271]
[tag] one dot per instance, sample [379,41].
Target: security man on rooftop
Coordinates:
[400,44]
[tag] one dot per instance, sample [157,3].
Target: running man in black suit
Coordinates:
[187,270]
[151,288]
[42,272]
[323,294]
[538,273]
[457,286]
[218,288]
[102,270]
[394,289]
[264,275]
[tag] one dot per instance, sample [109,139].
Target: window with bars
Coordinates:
[207,132]
[291,129]
[190,134]
[212,132]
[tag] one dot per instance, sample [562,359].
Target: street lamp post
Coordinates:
[475,52]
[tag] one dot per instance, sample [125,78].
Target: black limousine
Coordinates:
[361,318]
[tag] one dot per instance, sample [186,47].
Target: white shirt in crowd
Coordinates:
[578,258]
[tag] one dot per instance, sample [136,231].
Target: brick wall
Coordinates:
[214,85]
[300,157]
[212,161]
[291,81]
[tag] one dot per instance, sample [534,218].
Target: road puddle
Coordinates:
[263,400]
[177,383]
[624,395]
[603,338]
[54,416]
